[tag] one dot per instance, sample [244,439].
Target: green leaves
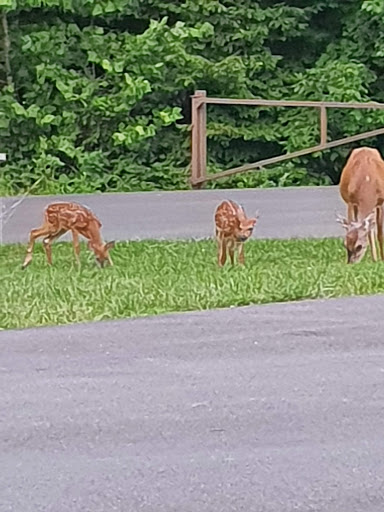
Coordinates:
[168,115]
[101,92]
[129,135]
[373,6]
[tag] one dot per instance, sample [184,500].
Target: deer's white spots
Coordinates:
[367,178]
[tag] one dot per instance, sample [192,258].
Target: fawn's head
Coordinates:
[356,236]
[101,252]
[245,228]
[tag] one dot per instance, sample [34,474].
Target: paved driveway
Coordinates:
[274,408]
[284,213]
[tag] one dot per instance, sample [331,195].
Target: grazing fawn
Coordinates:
[233,228]
[362,189]
[62,217]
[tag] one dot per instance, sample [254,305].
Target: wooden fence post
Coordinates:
[323,125]
[199,139]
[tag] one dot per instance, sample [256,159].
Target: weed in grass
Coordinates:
[157,277]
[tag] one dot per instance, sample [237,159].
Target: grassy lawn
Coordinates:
[158,277]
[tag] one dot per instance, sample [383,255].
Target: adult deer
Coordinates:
[62,217]
[362,188]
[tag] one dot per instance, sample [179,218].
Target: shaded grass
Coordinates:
[157,277]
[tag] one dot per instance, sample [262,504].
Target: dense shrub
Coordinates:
[95,94]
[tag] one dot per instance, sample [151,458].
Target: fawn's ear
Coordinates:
[110,245]
[257,215]
[254,220]
[343,221]
[369,221]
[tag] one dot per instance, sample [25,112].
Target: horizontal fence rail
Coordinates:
[288,103]
[199,133]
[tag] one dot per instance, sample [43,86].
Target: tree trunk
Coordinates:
[7,46]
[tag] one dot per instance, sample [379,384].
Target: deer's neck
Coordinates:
[94,234]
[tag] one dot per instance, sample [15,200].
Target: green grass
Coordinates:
[158,277]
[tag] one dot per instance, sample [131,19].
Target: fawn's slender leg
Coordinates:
[241,254]
[231,251]
[76,245]
[48,249]
[34,234]
[222,250]
[47,244]
[379,221]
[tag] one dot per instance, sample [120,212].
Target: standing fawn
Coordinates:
[233,228]
[62,217]
[362,189]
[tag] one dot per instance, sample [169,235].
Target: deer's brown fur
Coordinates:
[362,189]
[233,228]
[62,217]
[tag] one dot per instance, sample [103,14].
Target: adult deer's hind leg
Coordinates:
[355,212]
[33,235]
[351,213]
[372,243]
[379,221]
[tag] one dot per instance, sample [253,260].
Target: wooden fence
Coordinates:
[199,133]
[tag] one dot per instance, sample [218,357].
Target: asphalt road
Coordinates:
[284,213]
[275,408]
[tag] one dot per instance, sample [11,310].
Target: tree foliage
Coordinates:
[95,94]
